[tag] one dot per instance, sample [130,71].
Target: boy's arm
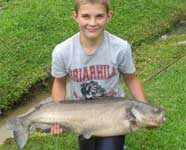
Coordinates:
[58,93]
[59,89]
[135,87]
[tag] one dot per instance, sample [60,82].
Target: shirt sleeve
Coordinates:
[58,65]
[126,63]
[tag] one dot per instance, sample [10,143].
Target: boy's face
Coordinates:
[92,20]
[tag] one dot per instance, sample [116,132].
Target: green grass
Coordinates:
[154,58]
[30,30]
[142,20]
[38,141]
[168,91]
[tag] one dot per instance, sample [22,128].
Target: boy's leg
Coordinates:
[110,143]
[86,144]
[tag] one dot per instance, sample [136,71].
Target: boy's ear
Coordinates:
[109,16]
[74,15]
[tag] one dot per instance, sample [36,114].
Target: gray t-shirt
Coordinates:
[97,74]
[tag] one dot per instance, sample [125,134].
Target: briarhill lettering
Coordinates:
[97,72]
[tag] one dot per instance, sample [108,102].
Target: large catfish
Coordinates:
[100,117]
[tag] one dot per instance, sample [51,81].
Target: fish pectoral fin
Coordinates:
[136,114]
[41,127]
[86,135]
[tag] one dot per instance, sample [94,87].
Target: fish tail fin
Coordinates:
[20,131]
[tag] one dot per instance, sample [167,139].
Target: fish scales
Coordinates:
[82,117]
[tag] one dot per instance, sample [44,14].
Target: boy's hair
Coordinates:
[80,2]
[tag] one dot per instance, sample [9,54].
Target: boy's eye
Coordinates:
[85,16]
[100,16]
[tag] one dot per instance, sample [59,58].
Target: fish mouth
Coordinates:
[155,125]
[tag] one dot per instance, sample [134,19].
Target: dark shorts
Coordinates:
[102,143]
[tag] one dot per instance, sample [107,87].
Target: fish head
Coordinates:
[148,116]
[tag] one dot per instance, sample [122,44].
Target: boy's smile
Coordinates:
[92,20]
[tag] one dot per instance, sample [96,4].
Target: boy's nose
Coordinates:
[92,22]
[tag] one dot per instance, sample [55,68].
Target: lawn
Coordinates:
[152,59]
[166,89]
[29,30]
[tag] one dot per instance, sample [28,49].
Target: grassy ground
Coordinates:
[168,90]
[30,29]
[154,58]
[42,142]
[165,89]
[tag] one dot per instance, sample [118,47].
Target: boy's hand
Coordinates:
[56,129]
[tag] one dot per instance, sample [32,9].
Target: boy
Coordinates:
[94,59]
